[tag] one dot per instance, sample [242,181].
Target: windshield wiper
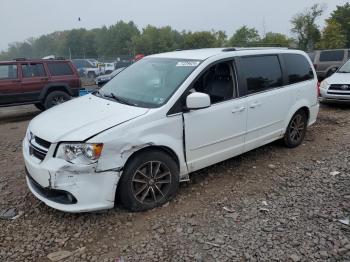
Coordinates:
[120,99]
[344,72]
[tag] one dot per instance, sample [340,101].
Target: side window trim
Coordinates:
[181,99]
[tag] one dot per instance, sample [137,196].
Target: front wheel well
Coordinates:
[163,149]
[151,148]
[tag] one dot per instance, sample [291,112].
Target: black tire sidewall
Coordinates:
[124,191]
[287,140]
[40,106]
[49,98]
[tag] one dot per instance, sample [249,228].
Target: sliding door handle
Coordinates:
[238,109]
[255,104]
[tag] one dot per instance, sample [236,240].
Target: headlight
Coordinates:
[79,153]
[29,135]
[324,84]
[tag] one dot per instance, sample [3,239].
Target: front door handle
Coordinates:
[255,104]
[238,109]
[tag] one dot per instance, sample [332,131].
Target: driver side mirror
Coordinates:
[197,100]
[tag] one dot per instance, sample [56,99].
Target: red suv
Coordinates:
[44,83]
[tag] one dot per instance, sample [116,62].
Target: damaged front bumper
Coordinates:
[69,187]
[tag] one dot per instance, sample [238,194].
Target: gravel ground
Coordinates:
[271,204]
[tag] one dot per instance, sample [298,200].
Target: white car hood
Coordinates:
[82,118]
[339,78]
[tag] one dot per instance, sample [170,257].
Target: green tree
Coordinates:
[244,36]
[276,39]
[342,16]
[305,27]
[333,36]
[204,39]
[155,40]
[117,39]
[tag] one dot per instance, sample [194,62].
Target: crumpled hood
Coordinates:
[339,78]
[82,118]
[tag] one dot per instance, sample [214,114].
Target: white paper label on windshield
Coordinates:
[188,63]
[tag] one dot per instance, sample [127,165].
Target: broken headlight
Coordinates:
[79,153]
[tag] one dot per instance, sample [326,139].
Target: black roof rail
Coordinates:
[20,59]
[229,49]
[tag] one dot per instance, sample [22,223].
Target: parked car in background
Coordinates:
[102,80]
[93,61]
[108,68]
[336,88]
[164,117]
[45,83]
[87,68]
[326,62]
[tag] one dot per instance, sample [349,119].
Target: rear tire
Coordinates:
[55,98]
[150,179]
[296,130]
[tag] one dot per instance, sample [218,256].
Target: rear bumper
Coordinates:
[67,187]
[313,113]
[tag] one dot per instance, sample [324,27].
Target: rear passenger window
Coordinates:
[33,70]
[59,69]
[8,71]
[261,72]
[335,55]
[298,68]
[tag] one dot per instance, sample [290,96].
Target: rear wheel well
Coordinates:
[55,88]
[307,112]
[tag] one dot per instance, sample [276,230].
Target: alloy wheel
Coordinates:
[297,127]
[151,182]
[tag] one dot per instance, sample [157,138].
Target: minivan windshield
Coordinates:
[150,82]
[345,68]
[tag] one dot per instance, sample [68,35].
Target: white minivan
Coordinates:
[162,118]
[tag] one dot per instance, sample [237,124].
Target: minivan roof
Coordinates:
[205,53]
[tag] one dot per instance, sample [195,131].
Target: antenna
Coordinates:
[264,27]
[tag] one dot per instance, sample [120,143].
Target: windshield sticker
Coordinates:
[188,63]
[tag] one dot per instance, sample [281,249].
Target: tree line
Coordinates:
[124,38]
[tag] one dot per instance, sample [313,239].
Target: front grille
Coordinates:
[339,93]
[340,87]
[39,147]
[42,142]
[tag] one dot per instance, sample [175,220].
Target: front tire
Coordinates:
[40,106]
[149,180]
[55,98]
[296,130]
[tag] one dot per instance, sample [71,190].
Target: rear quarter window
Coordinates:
[333,55]
[298,68]
[8,71]
[261,72]
[60,69]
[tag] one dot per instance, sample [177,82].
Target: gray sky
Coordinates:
[21,19]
